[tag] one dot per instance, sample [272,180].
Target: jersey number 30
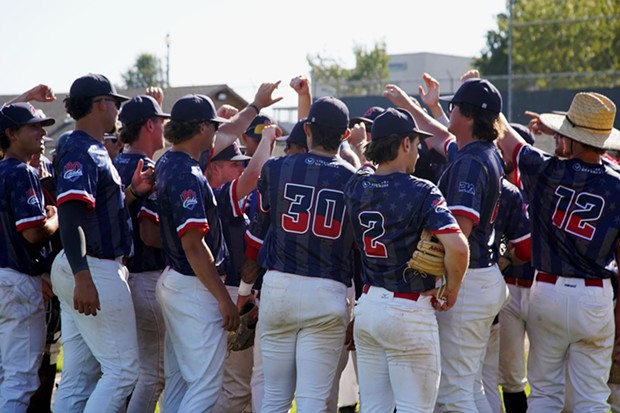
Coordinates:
[325,213]
[577,214]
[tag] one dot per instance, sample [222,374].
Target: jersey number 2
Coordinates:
[575,214]
[373,221]
[325,213]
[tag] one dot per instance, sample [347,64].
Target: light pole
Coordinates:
[168,60]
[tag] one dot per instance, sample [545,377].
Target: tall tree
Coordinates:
[367,77]
[571,43]
[146,71]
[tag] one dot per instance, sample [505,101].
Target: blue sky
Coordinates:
[241,43]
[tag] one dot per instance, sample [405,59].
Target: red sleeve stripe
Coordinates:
[523,248]
[446,144]
[446,230]
[466,212]
[515,162]
[251,252]
[252,240]
[74,195]
[148,214]
[261,208]
[232,196]
[193,223]
[33,222]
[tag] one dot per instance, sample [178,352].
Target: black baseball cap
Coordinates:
[195,107]
[395,121]
[92,85]
[369,116]
[329,111]
[255,130]
[140,108]
[479,93]
[230,153]
[19,114]
[297,135]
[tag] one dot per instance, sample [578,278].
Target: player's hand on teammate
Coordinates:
[230,315]
[301,85]
[264,95]
[156,93]
[85,295]
[143,181]
[271,132]
[227,111]
[40,93]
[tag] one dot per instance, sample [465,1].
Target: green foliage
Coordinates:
[367,77]
[557,44]
[147,71]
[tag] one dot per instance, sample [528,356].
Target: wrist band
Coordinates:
[252,105]
[133,192]
[245,289]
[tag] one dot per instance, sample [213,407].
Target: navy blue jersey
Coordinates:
[513,225]
[21,207]
[573,208]
[471,185]
[185,201]
[388,214]
[302,221]
[234,224]
[84,172]
[144,258]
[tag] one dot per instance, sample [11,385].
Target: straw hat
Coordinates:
[589,120]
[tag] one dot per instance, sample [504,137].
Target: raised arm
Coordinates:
[248,179]
[301,85]
[424,121]
[228,132]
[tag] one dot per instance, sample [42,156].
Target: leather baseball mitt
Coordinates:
[428,257]
[243,337]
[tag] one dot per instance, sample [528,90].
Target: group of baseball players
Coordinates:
[152,260]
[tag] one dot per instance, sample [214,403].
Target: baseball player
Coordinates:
[197,308]
[98,323]
[26,223]
[232,183]
[396,333]
[143,133]
[574,238]
[304,238]
[471,185]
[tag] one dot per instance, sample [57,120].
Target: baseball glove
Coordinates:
[428,257]
[243,337]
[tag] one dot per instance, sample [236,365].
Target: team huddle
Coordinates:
[420,245]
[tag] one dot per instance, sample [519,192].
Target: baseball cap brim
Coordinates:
[422,134]
[446,98]
[359,119]
[122,98]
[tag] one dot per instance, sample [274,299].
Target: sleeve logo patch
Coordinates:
[73,171]
[188,197]
[467,188]
[31,196]
[440,204]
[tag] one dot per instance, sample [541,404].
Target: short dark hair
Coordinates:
[130,131]
[384,150]
[329,138]
[486,123]
[177,131]
[5,142]
[79,107]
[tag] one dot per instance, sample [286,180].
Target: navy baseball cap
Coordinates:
[297,135]
[230,153]
[93,85]
[329,111]
[479,93]
[524,132]
[255,130]
[395,122]
[369,116]
[195,107]
[19,114]
[140,108]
